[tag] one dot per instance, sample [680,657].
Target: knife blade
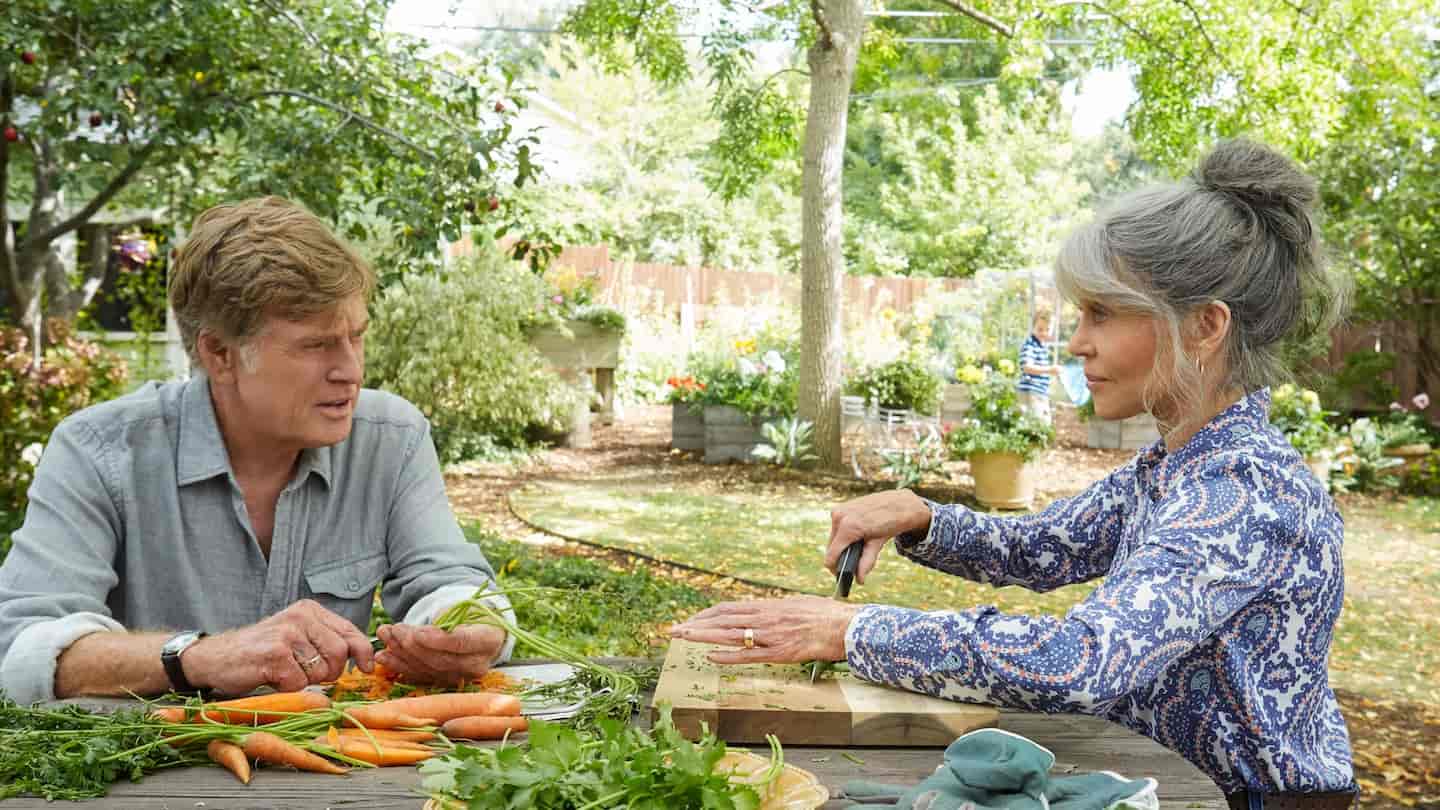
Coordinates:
[844,578]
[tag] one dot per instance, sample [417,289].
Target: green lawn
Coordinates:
[1383,646]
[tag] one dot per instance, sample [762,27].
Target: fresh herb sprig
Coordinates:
[613,765]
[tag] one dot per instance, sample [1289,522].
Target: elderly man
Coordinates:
[228,532]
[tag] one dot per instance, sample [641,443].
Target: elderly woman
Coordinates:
[1220,553]
[229,531]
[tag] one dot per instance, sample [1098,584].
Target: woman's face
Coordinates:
[1118,350]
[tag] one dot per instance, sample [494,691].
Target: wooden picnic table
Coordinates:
[1080,744]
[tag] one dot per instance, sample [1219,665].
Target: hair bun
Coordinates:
[1272,187]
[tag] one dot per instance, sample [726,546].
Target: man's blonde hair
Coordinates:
[262,258]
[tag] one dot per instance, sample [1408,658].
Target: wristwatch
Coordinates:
[170,658]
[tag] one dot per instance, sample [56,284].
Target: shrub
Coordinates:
[901,384]
[1362,460]
[1297,413]
[73,374]
[454,346]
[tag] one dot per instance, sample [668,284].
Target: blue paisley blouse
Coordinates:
[1210,633]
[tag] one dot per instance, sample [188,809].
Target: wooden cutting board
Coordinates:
[741,704]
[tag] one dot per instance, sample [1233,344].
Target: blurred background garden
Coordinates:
[656,343]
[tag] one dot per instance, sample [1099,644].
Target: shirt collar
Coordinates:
[1251,413]
[202,448]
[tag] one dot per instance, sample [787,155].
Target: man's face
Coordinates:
[298,381]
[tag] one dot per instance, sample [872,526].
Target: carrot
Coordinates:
[389,753]
[384,716]
[259,710]
[456,704]
[231,757]
[387,734]
[262,746]
[482,727]
[169,714]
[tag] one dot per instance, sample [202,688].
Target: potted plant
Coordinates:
[1296,412]
[1001,441]
[743,390]
[898,389]
[1406,434]
[687,412]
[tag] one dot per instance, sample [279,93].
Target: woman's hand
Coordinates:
[794,630]
[875,519]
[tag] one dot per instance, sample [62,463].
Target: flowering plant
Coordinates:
[995,422]
[756,382]
[1296,412]
[570,296]
[901,384]
[683,390]
[1405,426]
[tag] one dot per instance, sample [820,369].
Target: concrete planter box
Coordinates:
[1124,434]
[731,434]
[585,346]
[687,427]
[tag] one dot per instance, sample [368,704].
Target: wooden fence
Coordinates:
[674,288]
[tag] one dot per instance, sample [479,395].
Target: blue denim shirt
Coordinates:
[136,521]
[1210,633]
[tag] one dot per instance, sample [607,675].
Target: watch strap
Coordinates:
[170,658]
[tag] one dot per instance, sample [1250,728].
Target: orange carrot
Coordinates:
[482,727]
[387,734]
[169,714]
[231,757]
[262,746]
[376,752]
[457,704]
[259,710]
[383,715]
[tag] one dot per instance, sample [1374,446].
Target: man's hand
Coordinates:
[424,653]
[300,645]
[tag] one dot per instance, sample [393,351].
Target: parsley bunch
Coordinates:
[615,765]
[70,753]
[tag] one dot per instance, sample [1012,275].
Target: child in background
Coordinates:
[1036,368]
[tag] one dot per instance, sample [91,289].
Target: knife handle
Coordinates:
[845,570]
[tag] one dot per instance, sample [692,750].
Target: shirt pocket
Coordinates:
[348,587]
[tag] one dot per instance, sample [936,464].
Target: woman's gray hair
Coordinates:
[1240,229]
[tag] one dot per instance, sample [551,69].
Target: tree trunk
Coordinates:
[822,263]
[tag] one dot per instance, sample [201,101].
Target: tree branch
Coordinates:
[1200,24]
[7,252]
[332,106]
[119,181]
[1124,23]
[979,16]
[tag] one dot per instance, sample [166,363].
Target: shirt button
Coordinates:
[354,585]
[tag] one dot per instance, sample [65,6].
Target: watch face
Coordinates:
[179,642]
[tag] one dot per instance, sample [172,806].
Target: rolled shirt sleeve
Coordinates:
[54,582]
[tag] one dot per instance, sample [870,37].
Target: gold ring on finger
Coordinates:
[749,639]
[312,661]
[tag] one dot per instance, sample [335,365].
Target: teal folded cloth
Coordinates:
[992,769]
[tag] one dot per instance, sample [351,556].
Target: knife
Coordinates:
[844,578]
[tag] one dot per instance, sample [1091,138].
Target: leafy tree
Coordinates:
[1380,182]
[119,102]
